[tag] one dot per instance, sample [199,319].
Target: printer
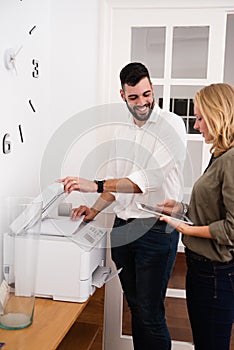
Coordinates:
[70,253]
[65,266]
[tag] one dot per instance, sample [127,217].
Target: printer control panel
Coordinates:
[89,236]
[93,234]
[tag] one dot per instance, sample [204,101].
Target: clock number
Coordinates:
[21,134]
[6,144]
[31,105]
[35,72]
[31,30]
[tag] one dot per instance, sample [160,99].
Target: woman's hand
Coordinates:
[170,207]
[72,183]
[178,225]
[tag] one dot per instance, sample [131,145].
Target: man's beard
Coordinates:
[141,117]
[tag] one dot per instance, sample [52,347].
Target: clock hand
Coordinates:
[17,52]
[13,57]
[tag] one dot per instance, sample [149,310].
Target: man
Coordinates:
[147,167]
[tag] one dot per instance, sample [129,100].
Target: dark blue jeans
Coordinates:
[210,301]
[146,252]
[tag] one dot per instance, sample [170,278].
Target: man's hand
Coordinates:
[89,213]
[72,183]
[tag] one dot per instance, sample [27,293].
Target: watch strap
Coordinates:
[100,184]
[185,207]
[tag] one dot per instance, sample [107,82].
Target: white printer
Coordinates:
[69,252]
[65,266]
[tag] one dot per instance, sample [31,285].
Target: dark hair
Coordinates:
[132,73]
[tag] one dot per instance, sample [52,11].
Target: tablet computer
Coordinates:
[159,212]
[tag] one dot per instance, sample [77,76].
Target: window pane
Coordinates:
[148,47]
[190,52]
[158,95]
[193,163]
[181,103]
[229,52]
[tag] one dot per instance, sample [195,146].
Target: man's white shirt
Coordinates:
[151,156]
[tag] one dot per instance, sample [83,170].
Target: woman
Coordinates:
[209,244]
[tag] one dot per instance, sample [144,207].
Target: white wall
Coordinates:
[74,28]
[68,57]
[74,44]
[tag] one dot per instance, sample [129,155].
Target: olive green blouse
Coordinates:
[212,203]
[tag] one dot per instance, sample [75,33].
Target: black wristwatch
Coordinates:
[100,185]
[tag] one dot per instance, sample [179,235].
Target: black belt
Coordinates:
[157,222]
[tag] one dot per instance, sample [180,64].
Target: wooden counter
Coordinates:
[52,320]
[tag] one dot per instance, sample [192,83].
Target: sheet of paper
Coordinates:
[102,275]
[62,226]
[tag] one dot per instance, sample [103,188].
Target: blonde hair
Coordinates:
[216,104]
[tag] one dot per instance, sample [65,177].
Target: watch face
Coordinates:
[21,88]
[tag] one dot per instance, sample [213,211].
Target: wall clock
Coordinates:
[20,70]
